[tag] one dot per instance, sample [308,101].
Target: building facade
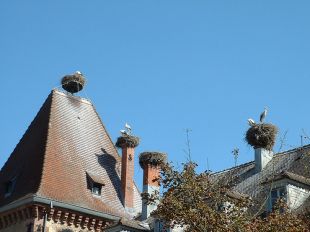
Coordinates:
[65,174]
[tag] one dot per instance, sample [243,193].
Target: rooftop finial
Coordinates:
[73,83]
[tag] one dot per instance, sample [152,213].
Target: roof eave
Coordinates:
[41,200]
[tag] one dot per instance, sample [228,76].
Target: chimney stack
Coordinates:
[262,158]
[127,143]
[261,137]
[150,163]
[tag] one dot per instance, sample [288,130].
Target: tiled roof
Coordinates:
[95,178]
[295,164]
[134,224]
[129,225]
[65,141]
[236,195]
[290,176]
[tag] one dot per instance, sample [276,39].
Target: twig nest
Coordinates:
[127,141]
[153,158]
[262,136]
[73,83]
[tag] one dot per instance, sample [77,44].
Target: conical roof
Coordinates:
[65,145]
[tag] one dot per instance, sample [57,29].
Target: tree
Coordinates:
[280,219]
[201,203]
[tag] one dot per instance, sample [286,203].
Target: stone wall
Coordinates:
[24,226]
[59,227]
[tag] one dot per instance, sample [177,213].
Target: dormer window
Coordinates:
[96,188]
[95,183]
[292,188]
[276,194]
[9,187]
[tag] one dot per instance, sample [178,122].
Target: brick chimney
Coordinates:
[150,163]
[127,143]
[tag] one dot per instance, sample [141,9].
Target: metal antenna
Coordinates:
[235,153]
[208,168]
[187,130]
[305,135]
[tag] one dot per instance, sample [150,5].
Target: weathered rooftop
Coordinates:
[293,165]
[66,142]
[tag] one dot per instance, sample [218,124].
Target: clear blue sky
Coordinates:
[163,66]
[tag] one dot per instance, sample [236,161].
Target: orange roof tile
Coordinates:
[65,141]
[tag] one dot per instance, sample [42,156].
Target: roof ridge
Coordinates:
[51,95]
[293,150]
[74,97]
[275,154]
[232,168]
[289,175]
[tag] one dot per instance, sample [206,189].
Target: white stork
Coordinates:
[263,115]
[251,122]
[78,73]
[123,132]
[128,128]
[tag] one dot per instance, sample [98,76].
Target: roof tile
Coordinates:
[67,139]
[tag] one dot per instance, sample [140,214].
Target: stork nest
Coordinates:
[127,141]
[262,136]
[73,83]
[153,158]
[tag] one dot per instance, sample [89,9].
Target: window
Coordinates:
[9,187]
[277,194]
[159,227]
[96,189]
[94,183]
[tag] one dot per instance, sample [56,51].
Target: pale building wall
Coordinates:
[147,209]
[296,196]
[262,158]
[177,229]
[159,228]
